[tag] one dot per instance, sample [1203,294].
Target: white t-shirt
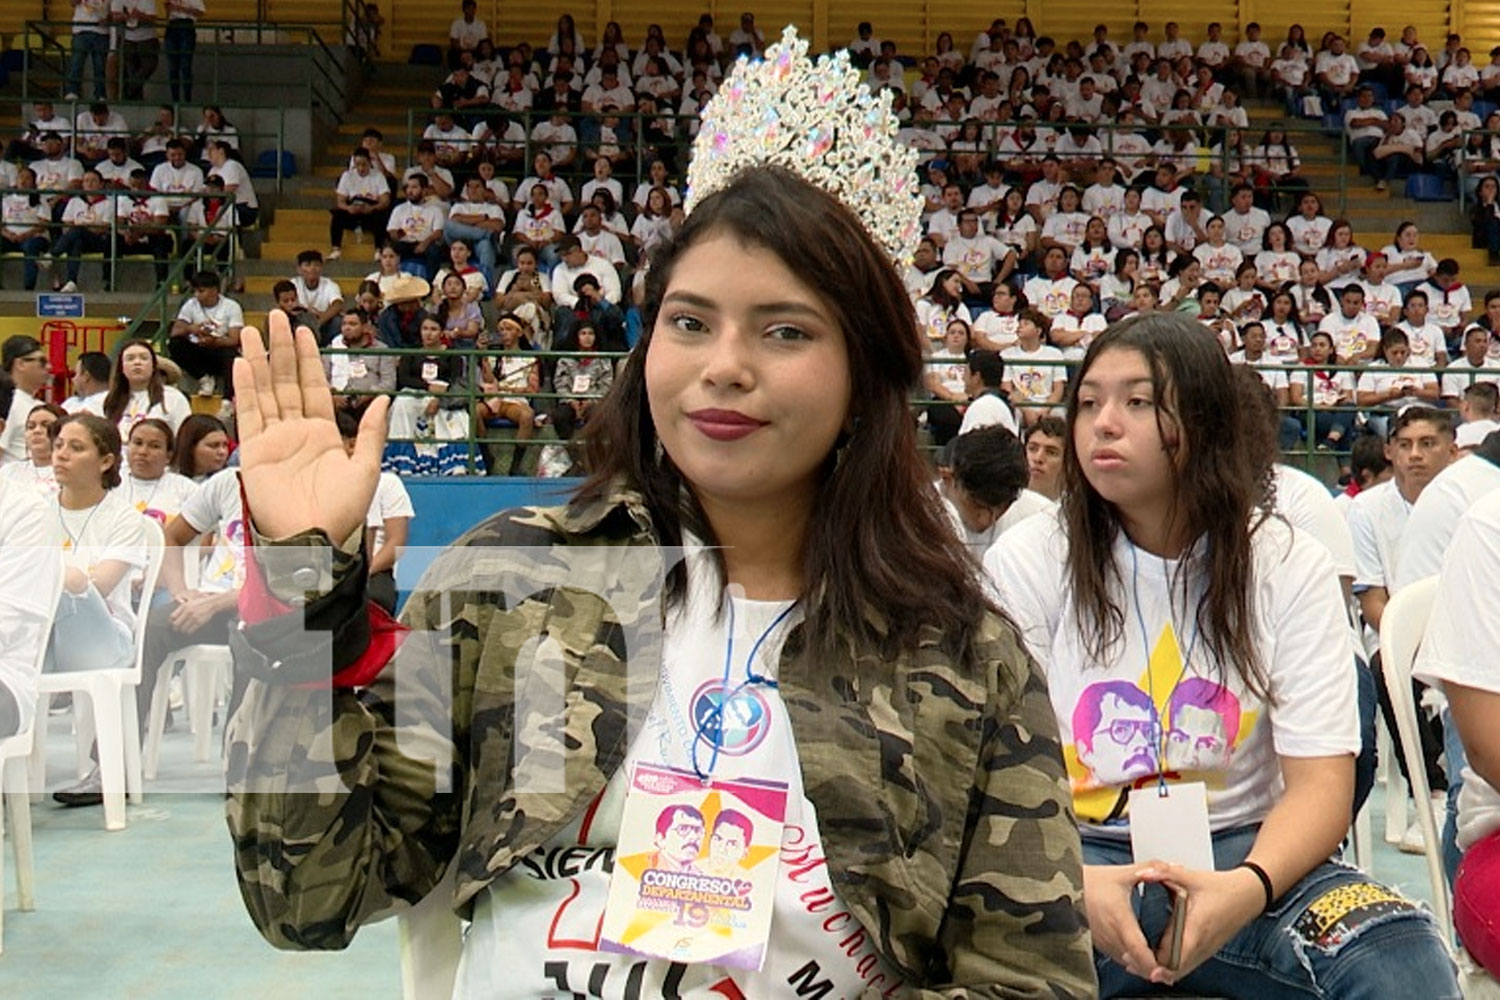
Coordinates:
[371,185]
[215,507]
[1407,266]
[173,408]
[1462,643]
[986,411]
[159,499]
[39,479]
[1031,381]
[1377,517]
[234,174]
[538,924]
[1435,515]
[318,299]
[1309,235]
[218,319]
[1458,376]
[416,222]
[1027,503]
[390,500]
[112,530]
[1379,377]
[1049,296]
[1160,678]
[1000,328]
[1306,503]
[13,438]
[1350,336]
[30,582]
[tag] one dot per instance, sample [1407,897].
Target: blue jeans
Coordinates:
[1456,759]
[1316,941]
[181,40]
[482,240]
[86,636]
[31,248]
[91,46]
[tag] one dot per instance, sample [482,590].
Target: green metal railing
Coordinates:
[1310,140]
[140,116]
[187,250]
[46,59]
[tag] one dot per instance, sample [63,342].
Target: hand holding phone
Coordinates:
[1175,927]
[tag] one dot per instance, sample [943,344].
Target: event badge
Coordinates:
[429,371]
[581,384]
[695,868]
[1170,823]
[357,369]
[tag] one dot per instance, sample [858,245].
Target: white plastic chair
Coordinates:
[1401,629]
[206,670]
[15,788]
[431,936]
[111,706]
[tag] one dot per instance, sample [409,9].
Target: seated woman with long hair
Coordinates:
[138,389]
[429,422]
[1199,659]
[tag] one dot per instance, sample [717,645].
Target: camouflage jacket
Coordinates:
[940,791]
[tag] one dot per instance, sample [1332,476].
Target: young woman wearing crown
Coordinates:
[738,719]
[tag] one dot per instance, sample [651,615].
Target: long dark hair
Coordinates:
[1199,407]
[119,386]
[881,563]
[193,430]
[106,438]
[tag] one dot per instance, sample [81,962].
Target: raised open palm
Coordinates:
[293,465]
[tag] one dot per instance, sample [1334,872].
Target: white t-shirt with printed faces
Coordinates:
[1067,228]
[112,531]
[1246,231]
[1435,516]
[55,175]
[1381,299]
[1031,375]
[1275,268]
[974,257]
[416,222]
[20,214]
[1043,194]
[1424,341]
[1329,387]
[1017,233]
[220,318]
[1407,266]
[1330,257]
[372,186]
[1050,296]
[1167,203]
[1379,377]
[1180,232]
[1457,376]
[170,180]
[159,499]
[1447,309]
[536,928]
[87,213]
[1309,235]
[1219,263]
[1104,201]
[1127,230]
[1350,336]
[214,508]
[1462,642]
[1160,705]
[1340,70]
[952,369]
[390,500]
[450,141]
[1000,328]
[317,299]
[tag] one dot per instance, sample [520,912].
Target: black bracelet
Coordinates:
[1265,881]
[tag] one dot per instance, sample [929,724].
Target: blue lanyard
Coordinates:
[713,721]
[1158,734]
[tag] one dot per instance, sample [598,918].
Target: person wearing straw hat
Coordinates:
[400,322]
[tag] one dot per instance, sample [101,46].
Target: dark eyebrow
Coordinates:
[763,309]
[1128,383]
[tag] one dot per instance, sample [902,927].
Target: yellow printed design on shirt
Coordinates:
[1167,724]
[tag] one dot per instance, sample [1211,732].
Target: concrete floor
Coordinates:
[153,911]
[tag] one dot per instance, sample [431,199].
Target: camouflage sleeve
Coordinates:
[1016,924]
[346,804]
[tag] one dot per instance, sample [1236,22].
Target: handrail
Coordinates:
[332,96]
[171,288]
[481,436]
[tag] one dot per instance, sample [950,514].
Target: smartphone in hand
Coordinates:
[1175,928]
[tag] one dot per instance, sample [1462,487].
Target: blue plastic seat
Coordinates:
[425,54]
[265,163]
[1427,187]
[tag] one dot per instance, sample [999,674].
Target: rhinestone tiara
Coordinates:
[820,121]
